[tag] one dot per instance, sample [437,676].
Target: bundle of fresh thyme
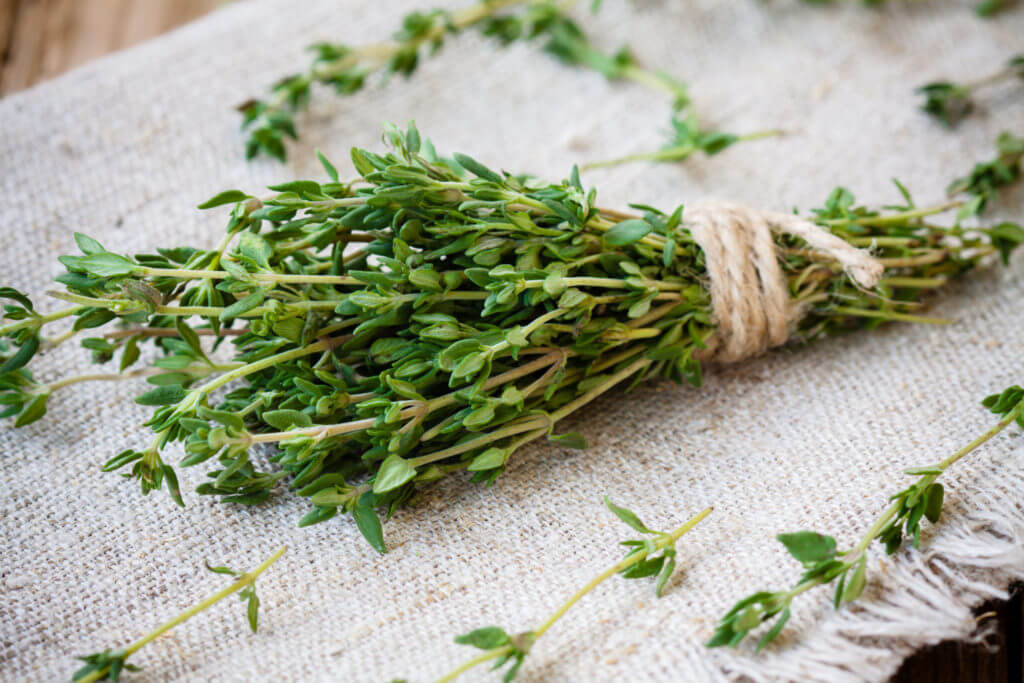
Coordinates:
[434,316]
[270,121]
[824,564]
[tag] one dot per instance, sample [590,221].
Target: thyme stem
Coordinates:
[853,556]
[663,541]
[198,370]
[38,320]
[244,581]
[625,563]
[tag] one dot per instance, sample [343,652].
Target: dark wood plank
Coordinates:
[7,10]
[59,26]
[24,54]
[42,38]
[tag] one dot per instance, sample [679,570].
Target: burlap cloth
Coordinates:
[811,438]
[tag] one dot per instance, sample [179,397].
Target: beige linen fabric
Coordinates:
[123,149]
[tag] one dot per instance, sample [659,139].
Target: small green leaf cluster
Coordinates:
[987,178]
[817,553]
[920,500]
[27,336]
[565,40]
[149,470]
[985,8]
[951,102]
[686,139]
[110,662]
[688,134]
[652,558]
[20,395]
[514,647]
[1010,401]
[246,595]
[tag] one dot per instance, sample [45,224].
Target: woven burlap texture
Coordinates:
[816,437]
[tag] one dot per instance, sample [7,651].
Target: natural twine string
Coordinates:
[749,295]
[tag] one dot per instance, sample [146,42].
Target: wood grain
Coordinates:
[42,38]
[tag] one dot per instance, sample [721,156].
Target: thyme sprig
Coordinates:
[109,664]
[346,69]
[686,139]
[985,8]
[652,555]
[432,318]
[989,8]
[951,102]
[824,564]
[988,177]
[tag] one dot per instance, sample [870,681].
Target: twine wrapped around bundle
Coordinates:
[750,299]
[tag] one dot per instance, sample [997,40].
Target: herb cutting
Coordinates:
[951,102]
[687,138]
[654,555]
[824,564]
[346,69]
[109,664]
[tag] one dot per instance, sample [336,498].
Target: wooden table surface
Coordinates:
[42,38]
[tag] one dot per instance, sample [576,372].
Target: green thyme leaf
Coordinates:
[627,516]
[222,198]
[809,547]
[486,638]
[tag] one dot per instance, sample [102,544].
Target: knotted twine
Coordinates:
[749,296]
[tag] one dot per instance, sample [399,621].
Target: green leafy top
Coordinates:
[986,178]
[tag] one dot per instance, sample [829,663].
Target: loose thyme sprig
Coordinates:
[653,555]
[950,102]
[987,178]
[823,564]
[434,318]
[988,8]
[108,664]
[347,68]
[985,8]
[687,138]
